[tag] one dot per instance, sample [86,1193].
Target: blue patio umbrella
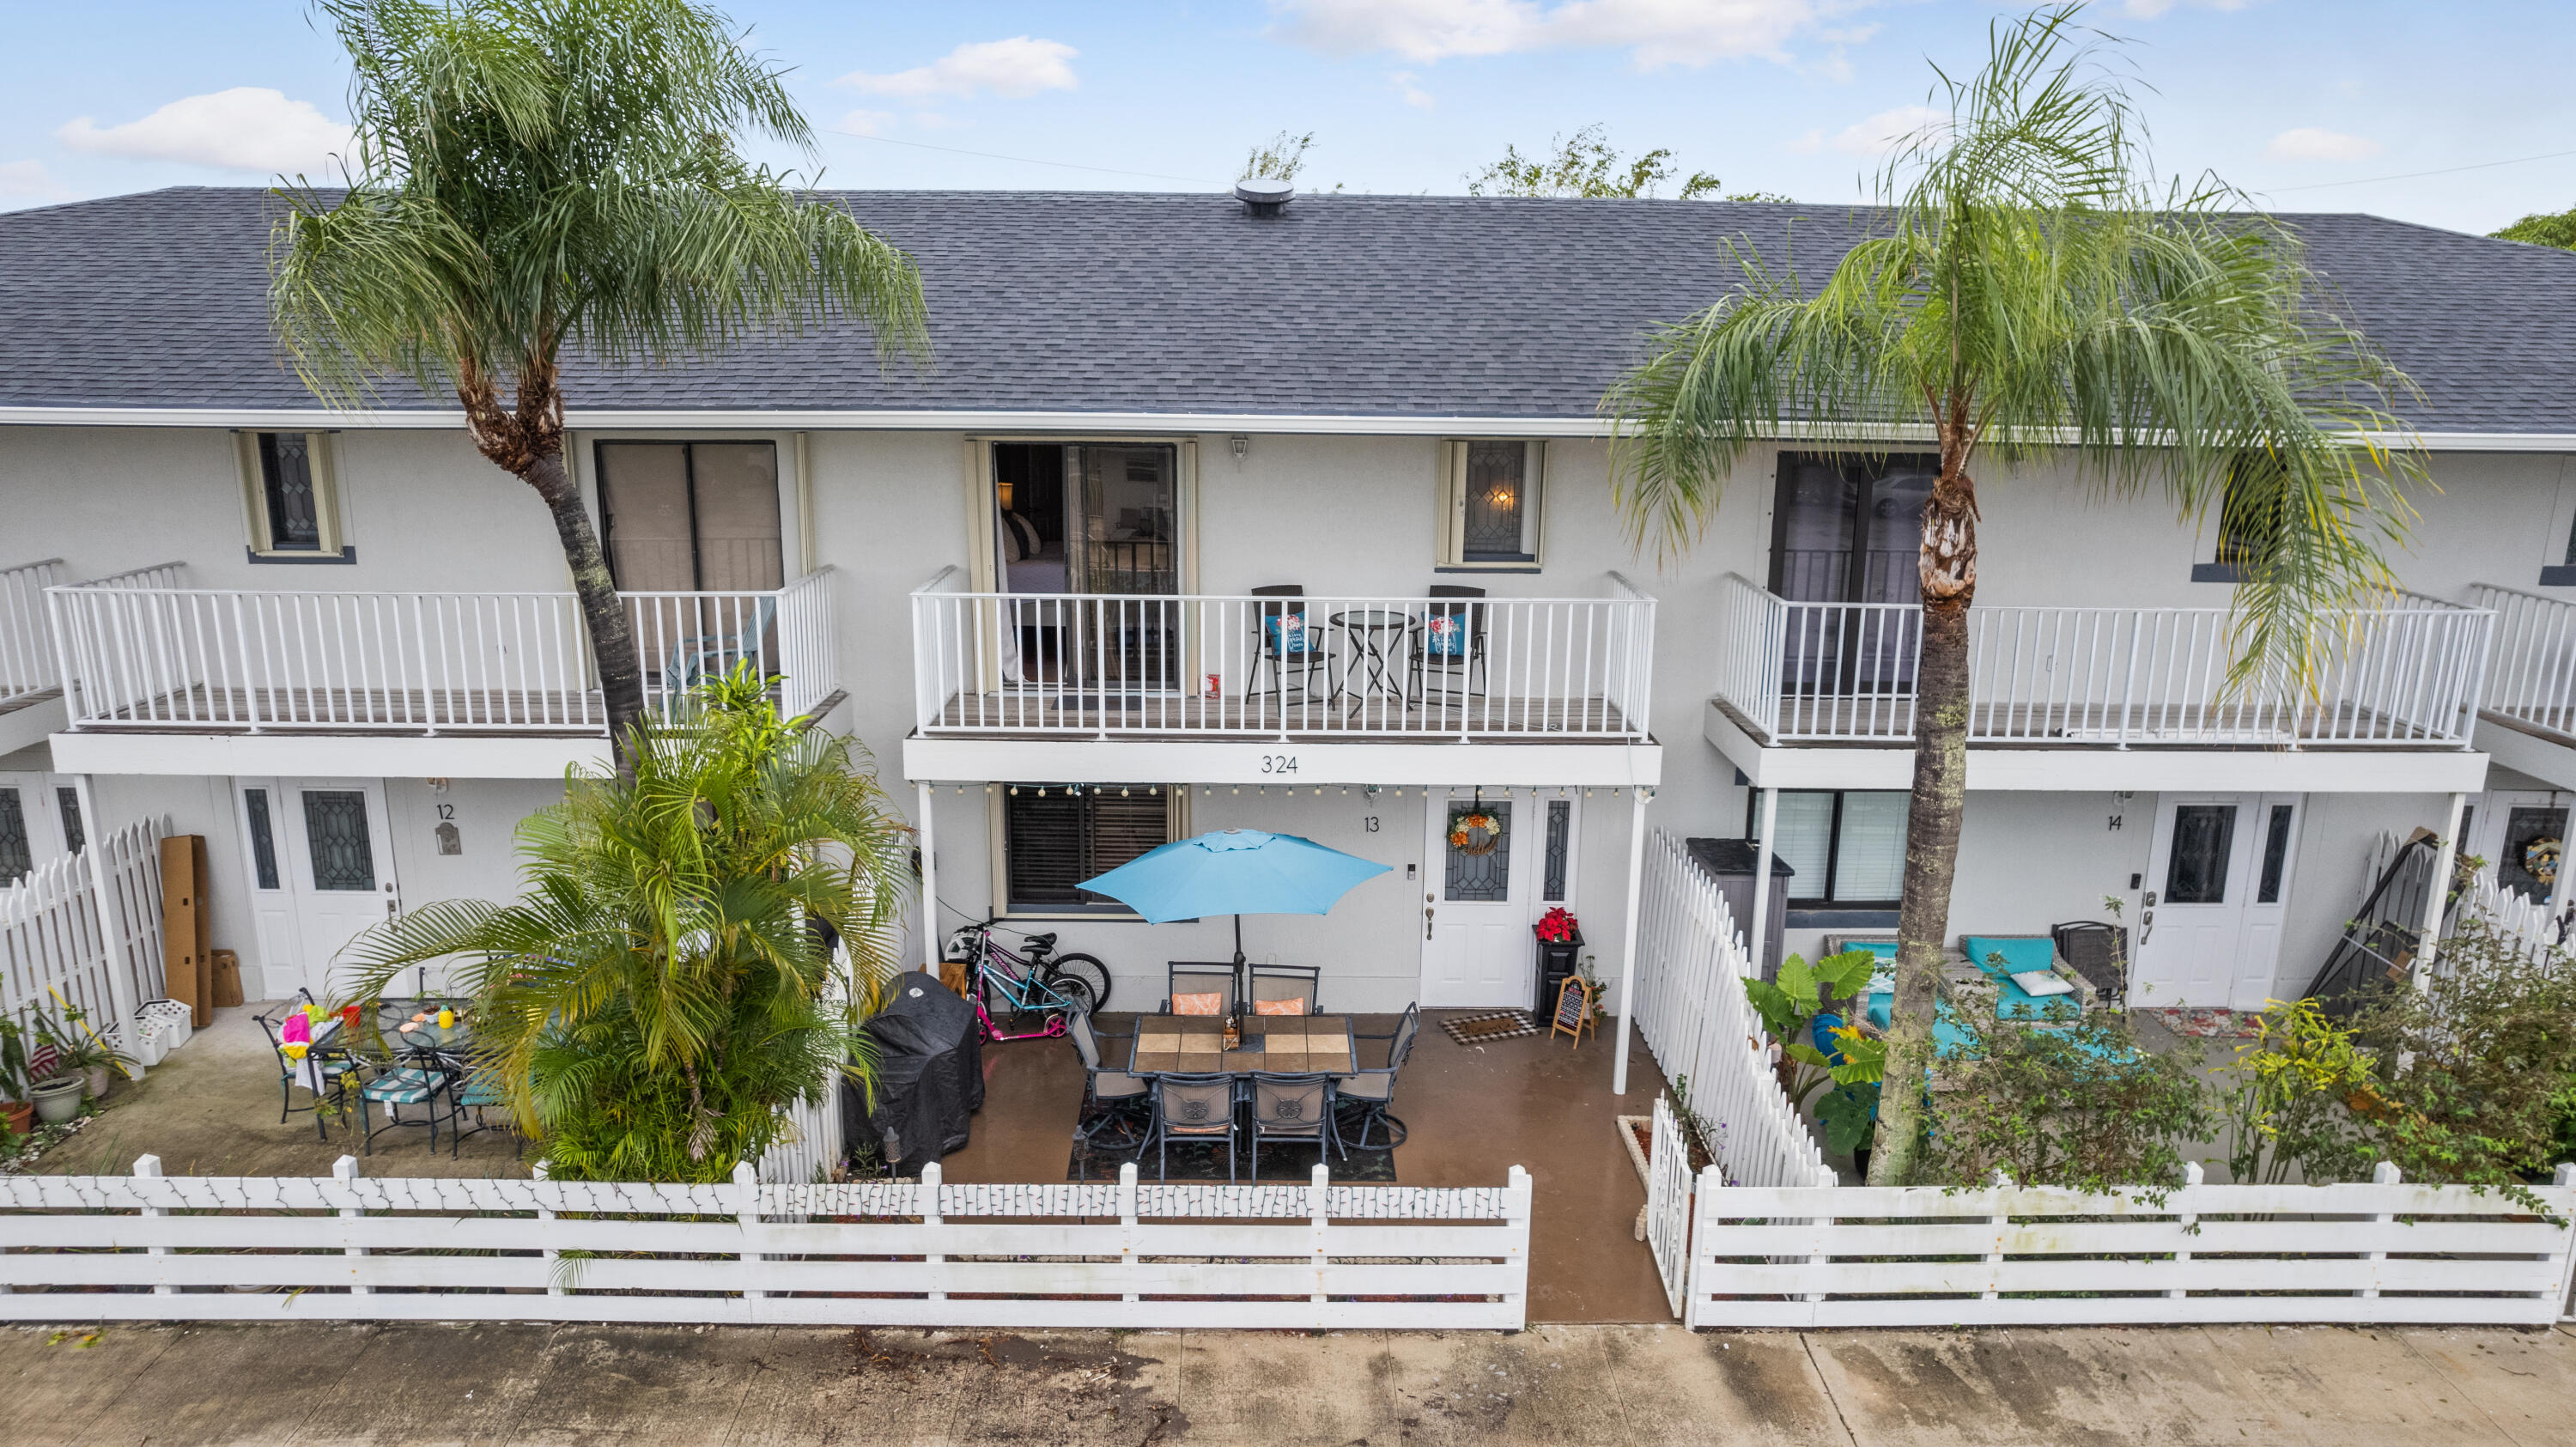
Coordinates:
[1236,872]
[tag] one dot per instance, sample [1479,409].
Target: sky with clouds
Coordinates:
[2329,105]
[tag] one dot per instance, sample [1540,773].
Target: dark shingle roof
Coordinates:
[1111,302]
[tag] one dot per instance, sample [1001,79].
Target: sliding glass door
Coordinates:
[1089,533]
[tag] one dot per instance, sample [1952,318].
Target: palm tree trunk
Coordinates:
[1939,802]
[612,633]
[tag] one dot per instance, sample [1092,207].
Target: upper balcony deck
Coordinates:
[1814,679]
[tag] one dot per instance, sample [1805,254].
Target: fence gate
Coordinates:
[1668,1200]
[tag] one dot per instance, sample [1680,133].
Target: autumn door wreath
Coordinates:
[1474,831]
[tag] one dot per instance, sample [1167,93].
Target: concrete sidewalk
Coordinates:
[296,1384]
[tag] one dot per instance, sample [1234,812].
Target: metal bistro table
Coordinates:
[1272,1045]
[1376,665]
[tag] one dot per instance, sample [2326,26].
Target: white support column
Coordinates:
[1628,942]
[1761,933]
[2446,858]
[122,996]
[929,882]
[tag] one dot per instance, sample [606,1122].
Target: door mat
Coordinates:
[1205,1161]
[1500,1025]
[2208,1022]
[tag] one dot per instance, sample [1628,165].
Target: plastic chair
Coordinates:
[1291,1108]
[1192,1108]
[1374,1089]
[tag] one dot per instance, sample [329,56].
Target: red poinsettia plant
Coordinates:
[1556,927]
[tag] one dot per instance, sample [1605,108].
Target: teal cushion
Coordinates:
[2012,1002]
[402,1087]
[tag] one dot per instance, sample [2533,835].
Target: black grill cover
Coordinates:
[930,1075]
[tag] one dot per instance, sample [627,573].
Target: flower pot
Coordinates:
[99,1075]
[56,1099]
[18,1115]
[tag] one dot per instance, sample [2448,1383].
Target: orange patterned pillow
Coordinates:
[1279,1007]
[1211,1003]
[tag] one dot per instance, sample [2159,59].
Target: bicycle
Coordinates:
[1035,982]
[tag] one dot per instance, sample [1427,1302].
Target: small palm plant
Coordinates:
[2028,293]
[666,987]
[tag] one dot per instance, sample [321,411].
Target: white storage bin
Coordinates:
[177,1022]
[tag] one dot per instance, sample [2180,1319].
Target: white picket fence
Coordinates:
[815,1146]
[1110,1254]
[1692,1014]
[2376,1252]
[51,942]
[2522,923]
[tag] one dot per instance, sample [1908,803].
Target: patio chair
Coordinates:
[1192,1108]
[693,661]
[332,1065]
[1277,986]
[1111,1098]
[1287,644]
[478,1092]
[2009,960]
[1373,1090]
[2095,951]
[396,1086]
[1449,647]
[1196,978]
[1291,1108]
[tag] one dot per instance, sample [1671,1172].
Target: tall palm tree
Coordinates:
[2026,291]
[661,989]
[535,176]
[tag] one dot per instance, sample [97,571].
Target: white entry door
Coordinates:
[320,861]
[2217,892]
[1482,894]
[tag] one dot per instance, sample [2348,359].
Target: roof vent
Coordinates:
[1264,195]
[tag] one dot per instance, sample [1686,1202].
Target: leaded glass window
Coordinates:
[335,830]
[75,838]
[263,837]
[1486,877]
[17,857]
[286,478]
[1560,821]
[1497,502]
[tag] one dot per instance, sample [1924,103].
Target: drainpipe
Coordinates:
[1762,882]
[121,995]
[929,882]
[2445,859]
[1628,941]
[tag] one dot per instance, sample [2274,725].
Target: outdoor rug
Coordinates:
[1281,1161]
[2207,1022]
[1499,1025]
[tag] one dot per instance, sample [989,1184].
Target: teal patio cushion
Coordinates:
[2012,1002]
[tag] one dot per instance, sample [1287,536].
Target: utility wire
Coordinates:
[2411,175]
[1024,160]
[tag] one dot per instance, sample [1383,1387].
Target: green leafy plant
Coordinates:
[77,1046]
[13,1059]
[2291,1105]
[1849,1111]
[1790,1004]
[2077,1104]
[664,987]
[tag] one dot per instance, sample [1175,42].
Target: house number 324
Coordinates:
[1278,763]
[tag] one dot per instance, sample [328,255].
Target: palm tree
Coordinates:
[535,176]
[661,990]
[2026,291]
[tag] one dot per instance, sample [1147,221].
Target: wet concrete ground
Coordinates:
[276,1386]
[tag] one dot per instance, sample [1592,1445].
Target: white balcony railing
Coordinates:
[139,651]
[2532,680]
[1412,667]
[27,663]
[1845,672]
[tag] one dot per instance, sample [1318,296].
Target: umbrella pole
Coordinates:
[1238,942]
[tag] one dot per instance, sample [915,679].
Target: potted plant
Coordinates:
[82,1052]
[15,1111]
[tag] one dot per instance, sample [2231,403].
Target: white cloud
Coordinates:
[1414,95]
[1655,32]
[866,123]
[31,180]
[1016,67]
[247,128]
[1877,135]
[2314,143]
[2150,9]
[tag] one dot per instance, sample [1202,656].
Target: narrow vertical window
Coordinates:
[286,480]
[1494,505]
[1560,820]
[67,801]
[2276,855]
[263,837]
[17,857]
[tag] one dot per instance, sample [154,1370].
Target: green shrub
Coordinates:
[2076,1102]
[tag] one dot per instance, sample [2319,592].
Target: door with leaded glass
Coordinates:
[321,869]
[1497,859]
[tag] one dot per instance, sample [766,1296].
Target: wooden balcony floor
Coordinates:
[1888,722]
[199,709]
[1379,718]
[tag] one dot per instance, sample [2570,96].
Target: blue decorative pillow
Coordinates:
[1289,633]
[1444,635]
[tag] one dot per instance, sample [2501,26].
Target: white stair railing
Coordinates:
[28,664]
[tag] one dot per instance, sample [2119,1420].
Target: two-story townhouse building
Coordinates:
[1198,519]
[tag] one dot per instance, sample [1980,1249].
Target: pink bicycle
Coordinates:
[1032,981]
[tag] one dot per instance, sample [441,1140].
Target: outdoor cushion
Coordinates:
[1445,636]
[1211,1003]
[401,1087]
[1288,633]
[1279,1007]
[2042,982]
[2035,953]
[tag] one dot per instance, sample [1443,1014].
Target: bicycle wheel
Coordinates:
[1068,973]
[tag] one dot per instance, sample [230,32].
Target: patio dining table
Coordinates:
[1272,1044]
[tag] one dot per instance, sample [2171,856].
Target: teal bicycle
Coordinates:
[1033,980]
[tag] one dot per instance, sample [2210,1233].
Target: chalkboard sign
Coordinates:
[1573,1010]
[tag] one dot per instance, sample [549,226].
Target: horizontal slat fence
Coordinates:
[1112,1254]
[2375,1252]
[50,940]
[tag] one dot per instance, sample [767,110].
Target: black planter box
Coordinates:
[1555,962]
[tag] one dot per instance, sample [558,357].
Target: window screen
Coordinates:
[1054,836]
[1845,848]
